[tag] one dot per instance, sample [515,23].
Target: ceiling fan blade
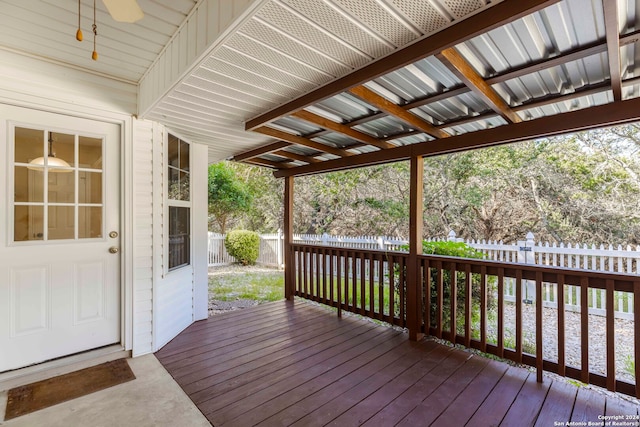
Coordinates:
[124,10]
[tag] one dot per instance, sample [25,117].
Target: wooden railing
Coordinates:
[360,281]
[373,284]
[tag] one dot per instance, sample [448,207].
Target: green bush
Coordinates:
[243,245]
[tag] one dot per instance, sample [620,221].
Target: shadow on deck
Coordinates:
[293,363]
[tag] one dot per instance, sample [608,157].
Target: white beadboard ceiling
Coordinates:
[282,50]
[47,29]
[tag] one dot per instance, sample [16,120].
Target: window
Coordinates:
[57,186]
[178,200]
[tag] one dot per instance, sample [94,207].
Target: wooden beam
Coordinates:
[459,66]
[486,20]
[261,150]
[414,272]
[294,156]
[395,110]
[268,163]
[613,46]
[340,128]
[574,121]
[300,140]
[289,268]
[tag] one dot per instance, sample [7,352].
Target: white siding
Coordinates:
[199,34]
[143,147]
[64,88]
[199,191]
[174,307]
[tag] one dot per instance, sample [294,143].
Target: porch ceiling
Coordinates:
[520,70]
[47,28]
[338,83]
[285,49]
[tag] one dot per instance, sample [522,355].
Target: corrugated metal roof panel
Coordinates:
[425,77]
[346,106]
[293,125]
[383,127]
[449,109]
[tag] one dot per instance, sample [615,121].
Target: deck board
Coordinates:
[294,363]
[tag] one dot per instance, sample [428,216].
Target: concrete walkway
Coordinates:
[152,399]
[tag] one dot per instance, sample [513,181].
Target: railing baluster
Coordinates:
[363,285]
[372,265]
[299,288]
[584,329]
[316,267]
[500,312]
[636,330]
[402,280]
[439,294]
[611,349]
[539,352]
[381,287]
[354,282]
[426,278]
[391,288]
[561,329]
[453,300]
[331,273]
[483,308]
[339,279]
[468,294]
[518,316]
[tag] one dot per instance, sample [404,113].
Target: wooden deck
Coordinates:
[293,363]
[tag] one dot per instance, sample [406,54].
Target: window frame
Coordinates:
[170,203]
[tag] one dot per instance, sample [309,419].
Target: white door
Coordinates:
[59,236]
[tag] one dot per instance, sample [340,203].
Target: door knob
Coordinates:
[113,250]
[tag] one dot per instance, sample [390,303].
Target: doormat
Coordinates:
[42,394]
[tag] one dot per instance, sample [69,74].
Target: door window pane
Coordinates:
[61,187]
[89,222]
[63,147]
[90,187]
[184,156]
[29,144]
[28,223]
[61,222]
[90,153]
[28,185]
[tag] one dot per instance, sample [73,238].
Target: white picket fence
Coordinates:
[582,256]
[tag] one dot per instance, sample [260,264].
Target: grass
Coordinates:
[263,285]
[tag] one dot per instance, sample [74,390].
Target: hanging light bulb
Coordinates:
[94,55]
[51,160]
[79,32]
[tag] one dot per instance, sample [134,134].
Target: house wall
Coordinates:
[156,305]
[203,31]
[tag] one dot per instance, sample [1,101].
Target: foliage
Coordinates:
[243,245]
[228,196]
[573,188]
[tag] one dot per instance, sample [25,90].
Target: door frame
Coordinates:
[125,122]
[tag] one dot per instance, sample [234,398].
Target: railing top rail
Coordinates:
[571,276]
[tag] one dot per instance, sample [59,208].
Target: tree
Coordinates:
[228,196]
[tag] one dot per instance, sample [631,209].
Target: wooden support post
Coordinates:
[289,262]
[414,275]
